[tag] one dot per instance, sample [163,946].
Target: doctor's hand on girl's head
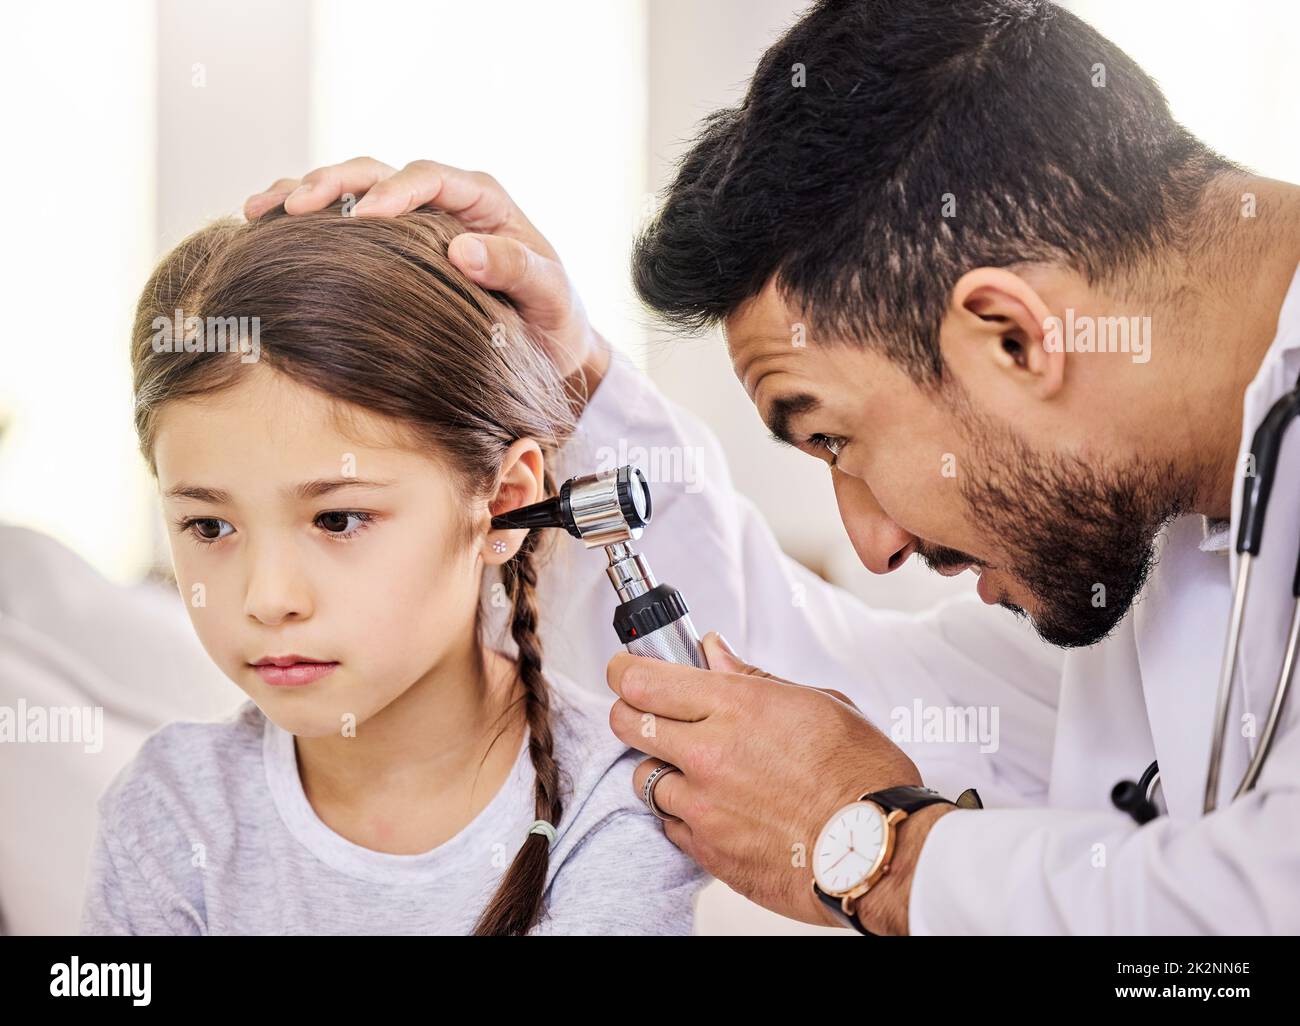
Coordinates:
[505,252]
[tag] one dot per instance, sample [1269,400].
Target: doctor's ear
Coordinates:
[521,483]
[991,339]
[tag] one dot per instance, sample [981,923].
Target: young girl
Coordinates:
[329,467]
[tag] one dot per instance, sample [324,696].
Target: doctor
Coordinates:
[921,258]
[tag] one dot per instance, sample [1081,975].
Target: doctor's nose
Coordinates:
[880,543]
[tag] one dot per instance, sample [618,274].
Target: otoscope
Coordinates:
[612,508]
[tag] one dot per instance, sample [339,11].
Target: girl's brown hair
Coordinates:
[371,312]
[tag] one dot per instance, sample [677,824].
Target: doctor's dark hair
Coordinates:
[372,313]
[994,112]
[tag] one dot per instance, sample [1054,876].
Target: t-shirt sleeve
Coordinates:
[625,877]
[128,887]
[118,899]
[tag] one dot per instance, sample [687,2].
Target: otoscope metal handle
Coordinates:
[678,642]
[657,623]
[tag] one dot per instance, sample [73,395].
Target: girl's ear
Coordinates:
[521,483]
[992,339]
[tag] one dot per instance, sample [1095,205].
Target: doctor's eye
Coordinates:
[335,523]
[832,444]
[198,528]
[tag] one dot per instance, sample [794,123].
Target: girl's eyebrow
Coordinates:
[306,490]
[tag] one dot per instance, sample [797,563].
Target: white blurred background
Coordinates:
[129,124]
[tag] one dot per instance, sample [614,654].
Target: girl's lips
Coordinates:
[294,674]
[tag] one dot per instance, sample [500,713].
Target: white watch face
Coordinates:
[848,848]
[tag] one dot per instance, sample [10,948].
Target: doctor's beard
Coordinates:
[1080,538]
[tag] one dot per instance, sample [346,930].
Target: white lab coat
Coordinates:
[1048,853]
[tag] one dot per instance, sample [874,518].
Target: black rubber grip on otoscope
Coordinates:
[645,614]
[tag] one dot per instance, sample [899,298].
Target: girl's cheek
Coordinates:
[196,590]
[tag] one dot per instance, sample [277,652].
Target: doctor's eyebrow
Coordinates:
[784,409]
[306,490]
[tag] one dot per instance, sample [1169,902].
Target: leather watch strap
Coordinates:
[836,906]
[908,798]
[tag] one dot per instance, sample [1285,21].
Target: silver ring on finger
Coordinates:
[648,791]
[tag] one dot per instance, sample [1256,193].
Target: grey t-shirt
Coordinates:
[208,831]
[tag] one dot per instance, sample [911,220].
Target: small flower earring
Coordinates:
[498,546]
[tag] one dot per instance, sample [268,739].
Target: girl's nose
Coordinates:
[275,592]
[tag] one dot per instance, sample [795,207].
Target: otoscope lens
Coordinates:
[638,492]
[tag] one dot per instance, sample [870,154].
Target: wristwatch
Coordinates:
[856,845]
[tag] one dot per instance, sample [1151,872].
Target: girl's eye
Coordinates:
[199,528]
[335,523]
[833,444]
